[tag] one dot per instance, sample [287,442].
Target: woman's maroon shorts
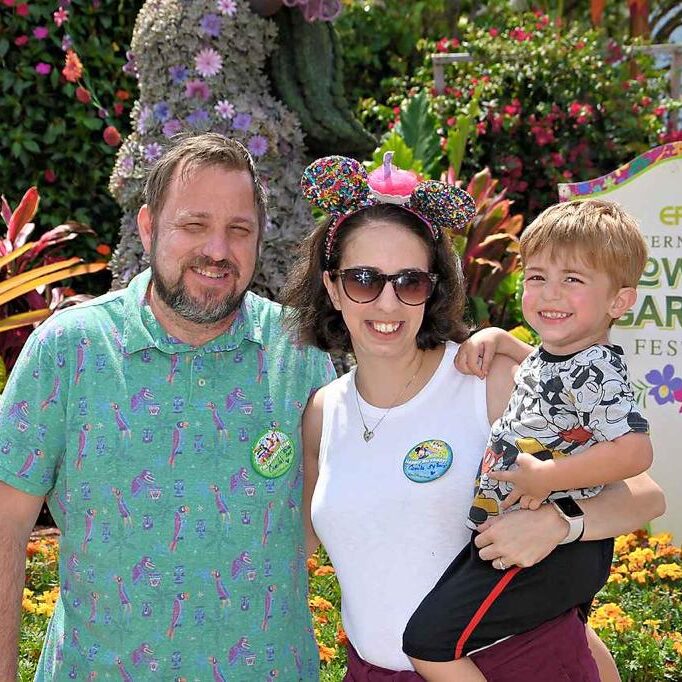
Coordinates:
[556,650]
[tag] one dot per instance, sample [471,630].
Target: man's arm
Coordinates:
[18,513]
[525,537]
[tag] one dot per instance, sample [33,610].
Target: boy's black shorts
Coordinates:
[474,605]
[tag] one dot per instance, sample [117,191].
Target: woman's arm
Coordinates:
[312,435]
[525,537]
[476,354]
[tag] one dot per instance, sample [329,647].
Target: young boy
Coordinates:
[571,426]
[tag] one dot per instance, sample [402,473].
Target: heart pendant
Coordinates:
[368,435]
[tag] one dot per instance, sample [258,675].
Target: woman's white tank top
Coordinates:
[389,513]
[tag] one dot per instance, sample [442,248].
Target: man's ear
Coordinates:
[622,302]
[331,290]
[145,227]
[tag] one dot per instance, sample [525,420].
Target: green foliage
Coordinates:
[556,104]
[417,126]
[50,138]
[403,156]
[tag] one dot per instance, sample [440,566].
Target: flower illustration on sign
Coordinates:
[664,385]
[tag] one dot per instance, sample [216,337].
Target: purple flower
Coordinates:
[228,7]
[241,121]
[162,112]
[198,118]
[197,89]
[211,25]
[41,32]
[145,120]
[172,127]
[664,384]
[152,152]
[127,164]
[224,109]
[258,145]
[130,67]
[43,69]
[178,74]
[67,43]
[208,62]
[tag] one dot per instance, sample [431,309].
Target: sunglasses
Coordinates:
[364,285]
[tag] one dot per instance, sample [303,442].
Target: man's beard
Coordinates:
[210,310]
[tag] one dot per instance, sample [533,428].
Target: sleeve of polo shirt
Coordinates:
[33,419]
[322,369]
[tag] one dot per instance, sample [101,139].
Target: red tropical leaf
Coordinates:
[23,212]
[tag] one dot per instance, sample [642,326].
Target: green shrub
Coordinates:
[53,128]
[554,104]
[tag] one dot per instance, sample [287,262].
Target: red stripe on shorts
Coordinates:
[483,609]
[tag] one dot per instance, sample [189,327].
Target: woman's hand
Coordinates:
[521,538]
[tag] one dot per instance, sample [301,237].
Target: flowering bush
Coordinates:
[555,104]
[63,87]
[200,66]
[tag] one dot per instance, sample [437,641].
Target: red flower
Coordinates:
[82,95]
[659,111]
[123,95]
[49,175]
[103,249]
[493,32]
[20,41]
[8,3]
[22,10]
[73,68]
[111,136]
[118,108]
[645,101]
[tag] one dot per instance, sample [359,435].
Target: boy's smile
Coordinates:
[569,303]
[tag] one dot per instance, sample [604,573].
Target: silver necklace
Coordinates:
[368,433]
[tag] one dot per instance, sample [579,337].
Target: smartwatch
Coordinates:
[570,512]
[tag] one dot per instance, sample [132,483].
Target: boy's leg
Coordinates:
[461,670]
[474,605]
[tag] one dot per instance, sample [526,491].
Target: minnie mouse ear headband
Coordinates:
[341,187]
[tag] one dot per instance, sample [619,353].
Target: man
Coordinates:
[162,424]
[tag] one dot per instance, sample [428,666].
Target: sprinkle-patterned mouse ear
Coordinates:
[444,206]
[337,185]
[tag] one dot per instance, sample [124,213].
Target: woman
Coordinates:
[392,448]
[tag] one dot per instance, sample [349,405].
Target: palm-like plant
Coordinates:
[27,271]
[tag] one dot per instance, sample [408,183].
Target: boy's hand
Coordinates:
[529,481]
[476,353]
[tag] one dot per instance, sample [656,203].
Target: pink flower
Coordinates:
[224,109]
[60,16]
[49,175]
[493,32]
[519,34]
[208,62]
[20,41]
[22,9]
[43,69]
[197,89]
[558,159]
[228,7]
[8,3]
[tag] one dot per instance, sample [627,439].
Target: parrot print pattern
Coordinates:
[179,559]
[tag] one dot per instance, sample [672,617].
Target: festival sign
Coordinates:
[650,188]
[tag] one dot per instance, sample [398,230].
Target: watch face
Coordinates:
[569,507]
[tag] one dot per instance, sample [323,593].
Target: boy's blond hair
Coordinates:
[598,232]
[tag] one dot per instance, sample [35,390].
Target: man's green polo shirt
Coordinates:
[175,475]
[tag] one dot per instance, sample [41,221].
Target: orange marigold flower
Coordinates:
[640,576]
[73,67]
[327,653]
[320,618]
[671,571]
[320,603]
[342,637]
[623,543]
[103,249]
[123,95]
[616,578]
[325,570]
[660,539]
[312,563]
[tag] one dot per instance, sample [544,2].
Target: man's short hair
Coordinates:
[598,232]
[191,152]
